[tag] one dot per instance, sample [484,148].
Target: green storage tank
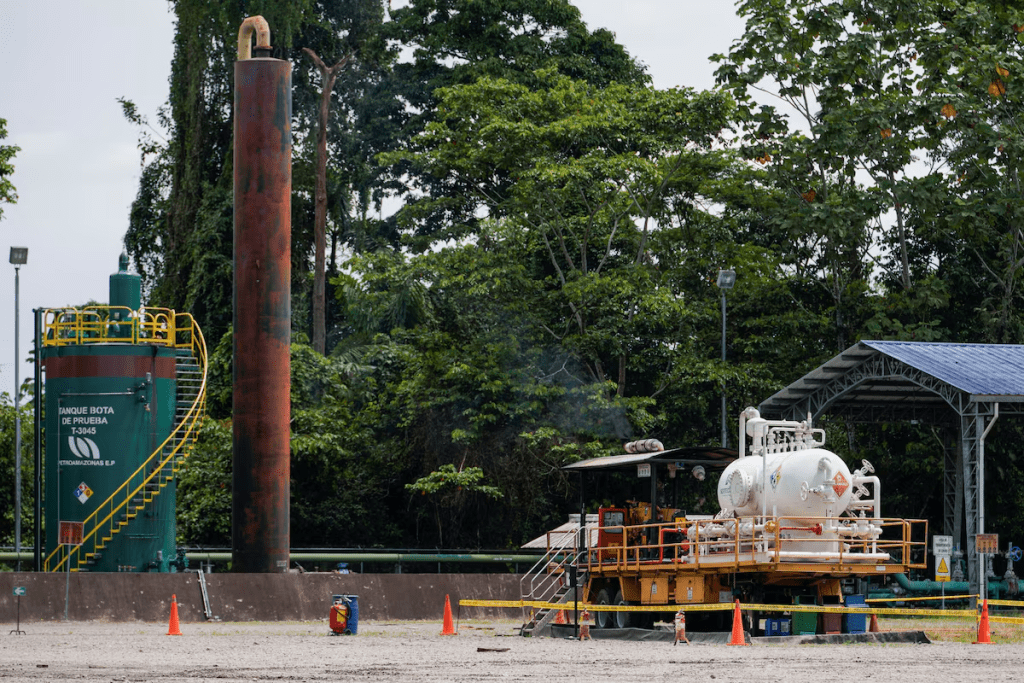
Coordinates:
[111,403]
[108,407]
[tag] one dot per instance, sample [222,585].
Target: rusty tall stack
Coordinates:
[262,305]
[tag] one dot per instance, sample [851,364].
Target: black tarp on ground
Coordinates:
[666,635]
[841,638]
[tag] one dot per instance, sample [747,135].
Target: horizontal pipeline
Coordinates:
[376,557]
[225,556]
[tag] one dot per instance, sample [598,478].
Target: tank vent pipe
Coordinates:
[261,28]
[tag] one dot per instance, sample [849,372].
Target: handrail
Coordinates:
[742,546]
[111,325]
[539,583]
[157,326]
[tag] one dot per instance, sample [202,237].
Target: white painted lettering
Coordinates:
[89,420]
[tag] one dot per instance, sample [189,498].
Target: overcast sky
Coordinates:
[64,63]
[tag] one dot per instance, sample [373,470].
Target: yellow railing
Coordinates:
[96,325]
[112,325]
[681,544]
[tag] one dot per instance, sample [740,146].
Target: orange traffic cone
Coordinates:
[560,617]
[738,636]
[873,628]
[449,628]
[983,633]
[174,630]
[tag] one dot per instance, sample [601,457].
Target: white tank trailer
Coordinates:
[787,489]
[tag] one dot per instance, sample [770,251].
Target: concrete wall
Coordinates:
[249,597]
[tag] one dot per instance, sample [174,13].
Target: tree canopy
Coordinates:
[522,237]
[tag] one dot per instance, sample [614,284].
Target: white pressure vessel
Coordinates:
[802,484]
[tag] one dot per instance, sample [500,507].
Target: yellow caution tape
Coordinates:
[1006,620]
[541,604]
[822,609]
[495,603]
[1007,603]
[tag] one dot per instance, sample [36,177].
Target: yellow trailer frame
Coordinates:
[691,569]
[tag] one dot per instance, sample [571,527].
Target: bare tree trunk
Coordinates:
[904,256]
[320,201]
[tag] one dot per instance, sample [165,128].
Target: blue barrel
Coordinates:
[353,619]
[344,614]
[855,623]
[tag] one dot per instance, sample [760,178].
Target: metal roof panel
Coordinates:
[983,369]
[564,535]
[710,457]
[985,372]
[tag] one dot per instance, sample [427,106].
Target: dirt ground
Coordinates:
[482,651]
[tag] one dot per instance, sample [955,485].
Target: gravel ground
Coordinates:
[482,651]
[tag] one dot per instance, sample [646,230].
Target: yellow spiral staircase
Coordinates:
[163,327]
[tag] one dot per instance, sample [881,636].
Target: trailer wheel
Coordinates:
[623,619]
[604,619]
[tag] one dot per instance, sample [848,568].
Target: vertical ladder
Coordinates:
[189,378]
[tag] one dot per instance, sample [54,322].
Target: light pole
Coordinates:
[726,280]
[19,257]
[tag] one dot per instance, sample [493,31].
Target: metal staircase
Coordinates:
[549,580]
[153,476]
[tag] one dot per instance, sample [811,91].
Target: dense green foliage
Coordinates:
[563,222]
[523,239]
[891,143]
[8,195]
[7,465]
[368,419]
[890,132]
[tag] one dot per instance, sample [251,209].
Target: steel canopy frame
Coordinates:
[874,382]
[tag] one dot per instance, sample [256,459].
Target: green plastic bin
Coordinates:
[804,623]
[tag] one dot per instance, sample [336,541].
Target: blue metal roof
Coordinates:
[977,369]
[854,385]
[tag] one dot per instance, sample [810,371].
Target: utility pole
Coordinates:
[726,280]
